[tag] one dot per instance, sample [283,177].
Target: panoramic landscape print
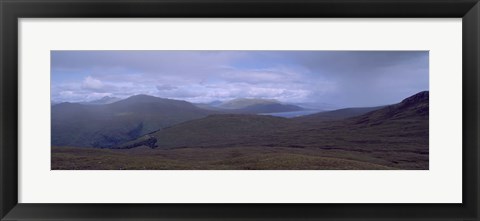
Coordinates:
[239,110]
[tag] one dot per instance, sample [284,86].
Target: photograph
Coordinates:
[239,110]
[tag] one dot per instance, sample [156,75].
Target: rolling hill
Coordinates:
[107,125]
[337,114]
[390,137]
[407,120]
[415,107]
[214,130]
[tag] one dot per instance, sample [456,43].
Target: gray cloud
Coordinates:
[343,78]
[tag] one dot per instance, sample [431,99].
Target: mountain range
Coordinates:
[110,121]
[250,106]
[106,125]
[315,129]
[164,123]
[149,132]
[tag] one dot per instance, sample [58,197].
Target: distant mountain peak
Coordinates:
[103,100]
[142,98]
[255,99]
[110,124]
[108,97]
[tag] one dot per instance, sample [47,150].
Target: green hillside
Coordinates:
[112,124]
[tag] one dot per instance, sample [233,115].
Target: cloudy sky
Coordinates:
[337,78]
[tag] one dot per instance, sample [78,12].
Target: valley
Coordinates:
[148,133]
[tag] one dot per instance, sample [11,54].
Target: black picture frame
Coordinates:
[12,10]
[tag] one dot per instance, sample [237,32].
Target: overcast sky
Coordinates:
[338,78]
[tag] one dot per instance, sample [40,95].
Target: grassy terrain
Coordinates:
[233,158]
[393,137]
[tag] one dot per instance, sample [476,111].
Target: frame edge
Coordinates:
[9,108]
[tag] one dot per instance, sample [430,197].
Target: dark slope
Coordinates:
[398,128]
[269,108]
[394,136]
[414,108]
[336,114]
[397,134]
[115,123]
[212,131]
[261,129]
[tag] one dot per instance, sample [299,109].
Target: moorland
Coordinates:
[144,132]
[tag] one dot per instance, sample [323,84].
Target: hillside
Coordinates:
[414,108]
[107,125]
[393,136]
[269,108]
[212,131]
[336,114]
